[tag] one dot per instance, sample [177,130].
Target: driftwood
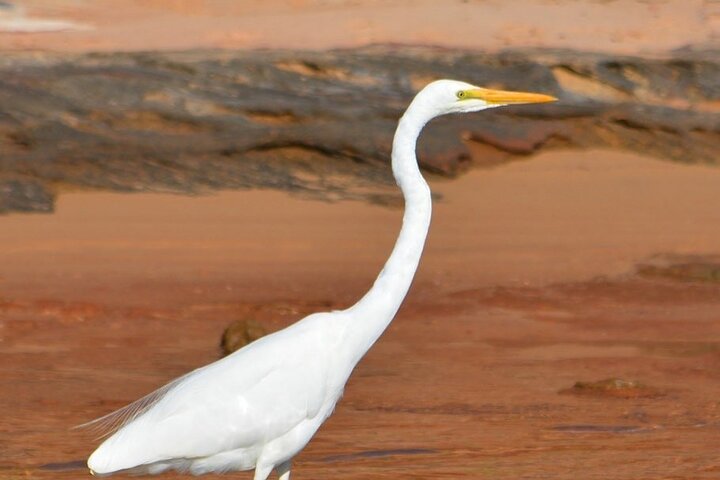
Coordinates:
[321,123]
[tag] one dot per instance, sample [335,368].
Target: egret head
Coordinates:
[450,96]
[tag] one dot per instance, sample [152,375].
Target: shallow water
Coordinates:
[527,286]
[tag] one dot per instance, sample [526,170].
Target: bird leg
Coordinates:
[283,471]
[262,472]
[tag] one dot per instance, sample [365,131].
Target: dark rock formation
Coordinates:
[320,124]
[23,195]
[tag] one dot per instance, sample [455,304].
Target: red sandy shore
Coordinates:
[527,285]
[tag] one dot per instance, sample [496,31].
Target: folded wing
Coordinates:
[242,401]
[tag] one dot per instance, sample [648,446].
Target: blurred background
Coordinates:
[178,178]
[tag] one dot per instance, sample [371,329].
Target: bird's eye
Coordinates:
[461,94]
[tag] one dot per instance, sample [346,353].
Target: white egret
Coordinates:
[258,407]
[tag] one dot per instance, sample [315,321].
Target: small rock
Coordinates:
[613,387]
[239,334]
[688,268]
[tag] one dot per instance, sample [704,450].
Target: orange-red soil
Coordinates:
[527,286]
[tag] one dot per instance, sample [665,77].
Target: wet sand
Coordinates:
[528,285]
[625,26]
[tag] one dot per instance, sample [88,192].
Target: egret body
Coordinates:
[258,407]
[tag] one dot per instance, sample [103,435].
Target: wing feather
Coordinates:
[242,401]
[112,422]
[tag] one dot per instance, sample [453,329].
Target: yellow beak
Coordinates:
[506,97]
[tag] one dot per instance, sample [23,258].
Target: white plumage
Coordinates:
[258,407]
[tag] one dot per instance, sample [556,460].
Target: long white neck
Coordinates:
[374,312]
